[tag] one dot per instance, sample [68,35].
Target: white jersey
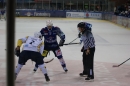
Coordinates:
[33,44]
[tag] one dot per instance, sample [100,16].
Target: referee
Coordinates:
[88,50]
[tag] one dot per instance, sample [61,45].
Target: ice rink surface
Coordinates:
[112,47]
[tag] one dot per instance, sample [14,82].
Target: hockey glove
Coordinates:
[61,42]
[79,35]
[17,51]
[82,50]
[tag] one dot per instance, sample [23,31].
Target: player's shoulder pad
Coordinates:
[57,28]
[43,28]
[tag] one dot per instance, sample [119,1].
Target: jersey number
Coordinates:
[32,42]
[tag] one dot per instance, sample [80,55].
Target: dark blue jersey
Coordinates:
[50,35]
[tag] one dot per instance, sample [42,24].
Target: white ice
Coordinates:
[112,41]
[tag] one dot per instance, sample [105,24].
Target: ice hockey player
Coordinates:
[32,49]
[50,42]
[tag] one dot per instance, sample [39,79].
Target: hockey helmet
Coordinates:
[81,25]
[49,23]
[38,35]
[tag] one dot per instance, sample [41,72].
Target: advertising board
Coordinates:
[75,14]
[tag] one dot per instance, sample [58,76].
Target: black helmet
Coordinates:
[81,25]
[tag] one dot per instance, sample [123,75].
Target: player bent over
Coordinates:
[32,49]
[50,42]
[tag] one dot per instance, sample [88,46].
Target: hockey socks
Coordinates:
[35,68]
[44,71]
[17,70]
[63,64]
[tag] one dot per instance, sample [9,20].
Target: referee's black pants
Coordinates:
[88,63]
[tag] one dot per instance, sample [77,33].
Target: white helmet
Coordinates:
[49,23]
[38,35]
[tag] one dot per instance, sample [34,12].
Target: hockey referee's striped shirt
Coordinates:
[88,40]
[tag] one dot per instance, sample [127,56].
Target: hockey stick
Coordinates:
[49,60]
[71,43]
[73,40]
[121,63]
